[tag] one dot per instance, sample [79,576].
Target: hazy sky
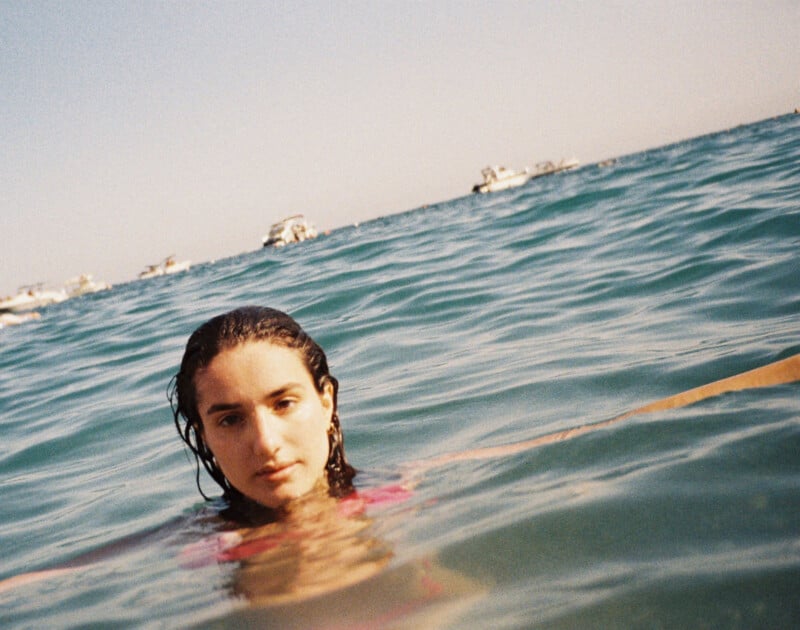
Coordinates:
[134,130]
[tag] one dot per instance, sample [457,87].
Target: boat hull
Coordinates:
[31,301]
[496,179]
[503,184]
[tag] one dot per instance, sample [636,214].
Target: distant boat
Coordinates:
[84,284]
[501,178]
[294,229]
[31,297]
[151,271]
[13,319]
[549,168]
[167,266]
[173,266]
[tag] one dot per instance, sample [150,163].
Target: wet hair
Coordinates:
[251,323]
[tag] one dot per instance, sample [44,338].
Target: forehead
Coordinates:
[261,363]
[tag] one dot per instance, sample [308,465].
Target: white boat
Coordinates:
[84,284]
[14,319]
[151,271]
[167,266]
[293,229]
[549,168]
[501,178]
[173,266]
[31,297]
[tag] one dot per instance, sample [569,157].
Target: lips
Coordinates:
[276,472]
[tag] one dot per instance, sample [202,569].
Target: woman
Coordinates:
[256,404]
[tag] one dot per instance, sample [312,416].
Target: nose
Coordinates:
[265,439]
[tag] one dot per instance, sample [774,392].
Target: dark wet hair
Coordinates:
[251,323]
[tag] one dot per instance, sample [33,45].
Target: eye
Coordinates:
[229,420]
[285,404]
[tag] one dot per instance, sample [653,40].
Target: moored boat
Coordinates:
[293,229]
[151,271]
[31,297]
[550,168]
[173,266]
[84,284]
[167,266]
[14,319]
[501,178]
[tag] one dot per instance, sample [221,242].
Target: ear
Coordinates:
[326,396]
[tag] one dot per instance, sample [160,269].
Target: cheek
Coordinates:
[317,442]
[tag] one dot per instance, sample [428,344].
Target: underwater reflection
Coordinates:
[323,564]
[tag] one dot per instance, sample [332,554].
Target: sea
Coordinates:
[481,321]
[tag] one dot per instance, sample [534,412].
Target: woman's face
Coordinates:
[264,421]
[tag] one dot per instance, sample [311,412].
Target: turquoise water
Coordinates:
[483,320]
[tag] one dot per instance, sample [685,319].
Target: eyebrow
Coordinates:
[224,406]
[220,407]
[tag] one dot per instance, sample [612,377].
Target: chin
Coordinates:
[279,499]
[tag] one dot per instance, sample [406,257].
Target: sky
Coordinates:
[130,131]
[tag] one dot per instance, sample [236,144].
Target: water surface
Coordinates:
[483,320]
